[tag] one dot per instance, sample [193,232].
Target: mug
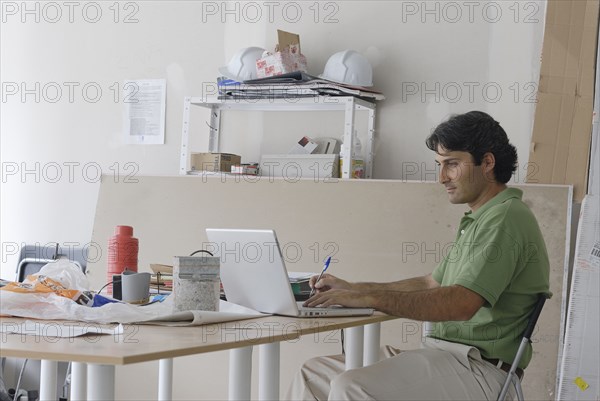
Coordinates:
[135,287]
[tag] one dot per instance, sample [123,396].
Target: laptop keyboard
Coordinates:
[301,307]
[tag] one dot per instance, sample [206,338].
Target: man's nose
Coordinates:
[442,176]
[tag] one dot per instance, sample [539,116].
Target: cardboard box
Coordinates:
[287,57]
[214,161]
[562,130]
[247,169]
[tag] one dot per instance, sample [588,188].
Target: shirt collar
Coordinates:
[508,193]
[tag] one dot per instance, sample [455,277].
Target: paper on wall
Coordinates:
[145,102]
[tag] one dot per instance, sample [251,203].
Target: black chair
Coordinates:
[512,375]
[33,257]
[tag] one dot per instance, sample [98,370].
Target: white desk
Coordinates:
[95,357]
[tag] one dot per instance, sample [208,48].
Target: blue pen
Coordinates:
[312,291]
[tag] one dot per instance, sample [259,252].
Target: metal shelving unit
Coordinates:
[348,104]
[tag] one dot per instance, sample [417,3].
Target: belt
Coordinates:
[504,366]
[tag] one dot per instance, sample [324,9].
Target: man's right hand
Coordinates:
[328,282]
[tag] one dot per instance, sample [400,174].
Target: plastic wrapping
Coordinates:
[62,277]
[60,290]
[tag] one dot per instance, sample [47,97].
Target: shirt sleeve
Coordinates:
[438,272]
[490,263]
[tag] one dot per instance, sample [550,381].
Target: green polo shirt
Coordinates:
[500,254]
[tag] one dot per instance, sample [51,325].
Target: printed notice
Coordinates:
[145,117]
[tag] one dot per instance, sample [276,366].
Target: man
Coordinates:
[479,296]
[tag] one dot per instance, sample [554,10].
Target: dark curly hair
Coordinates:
[477,133]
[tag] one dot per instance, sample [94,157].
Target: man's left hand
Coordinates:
[342,297]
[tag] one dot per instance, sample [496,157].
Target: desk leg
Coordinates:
[101,382]
[240,373]
[78,381]
[268,373]
[165,379]
[354,347]
[48,380]
[372,343]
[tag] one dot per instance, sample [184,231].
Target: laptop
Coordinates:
[253,274]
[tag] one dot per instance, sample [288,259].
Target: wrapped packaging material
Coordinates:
[282,62]
[287,57]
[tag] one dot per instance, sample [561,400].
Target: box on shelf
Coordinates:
[293,167]
[287,57]
[246,169]
[214,161]
[304,146]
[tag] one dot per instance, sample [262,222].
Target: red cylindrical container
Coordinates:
[122,252]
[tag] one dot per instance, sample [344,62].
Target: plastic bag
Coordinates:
[67,273]
[62,277]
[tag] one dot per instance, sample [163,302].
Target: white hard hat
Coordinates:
[242,66]
[349,67]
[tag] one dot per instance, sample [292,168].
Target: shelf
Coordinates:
[348,104]
[317,103]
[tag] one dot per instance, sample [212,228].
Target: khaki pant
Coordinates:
[439,371]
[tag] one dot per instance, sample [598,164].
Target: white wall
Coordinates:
[167,41]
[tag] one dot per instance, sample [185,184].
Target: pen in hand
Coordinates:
[312,291]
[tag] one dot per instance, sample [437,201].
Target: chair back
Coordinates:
[525,340]
[533,318]
[33,257]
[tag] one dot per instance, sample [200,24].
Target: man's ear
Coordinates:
[488,162]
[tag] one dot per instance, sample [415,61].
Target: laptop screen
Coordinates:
[253,270]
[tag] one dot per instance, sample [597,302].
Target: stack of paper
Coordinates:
[296,277]
[161,281]
[293,85]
